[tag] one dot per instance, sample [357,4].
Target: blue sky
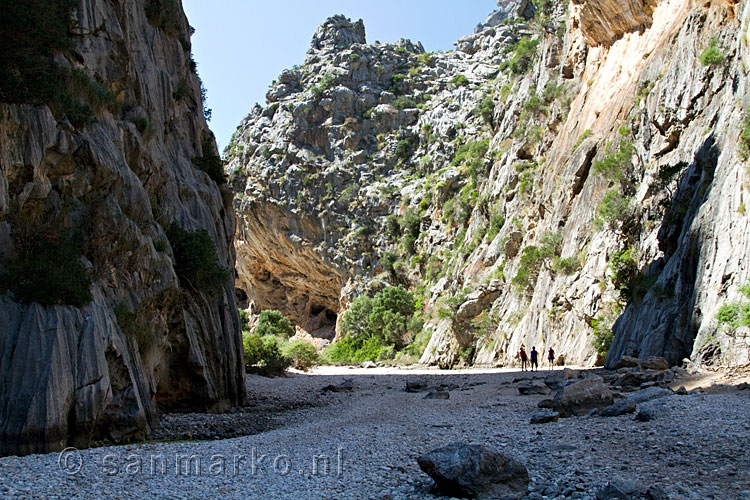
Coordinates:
[241,46]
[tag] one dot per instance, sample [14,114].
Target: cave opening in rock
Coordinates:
[321,322]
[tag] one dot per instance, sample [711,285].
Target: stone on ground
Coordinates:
[475,471]
[582,397]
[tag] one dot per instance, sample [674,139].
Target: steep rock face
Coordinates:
[570,164]
[702,244]
[147,339]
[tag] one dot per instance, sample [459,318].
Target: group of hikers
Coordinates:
[535,358]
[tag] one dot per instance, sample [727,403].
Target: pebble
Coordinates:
[376,433]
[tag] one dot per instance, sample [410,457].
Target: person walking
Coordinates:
[534,359]
[551,358]
[524,357]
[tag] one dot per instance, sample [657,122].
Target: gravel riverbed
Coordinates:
[363,444]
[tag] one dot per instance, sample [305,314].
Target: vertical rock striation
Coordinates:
[148,338]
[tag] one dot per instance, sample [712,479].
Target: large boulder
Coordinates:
[582,397]
[475,471]
[532,387]
[558,379]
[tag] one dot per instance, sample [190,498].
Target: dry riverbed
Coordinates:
[363,443]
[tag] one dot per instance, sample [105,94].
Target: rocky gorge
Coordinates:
[571,171]
[572,175]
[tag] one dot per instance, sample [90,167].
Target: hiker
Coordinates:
[523,357]
[551,358]
[534,359]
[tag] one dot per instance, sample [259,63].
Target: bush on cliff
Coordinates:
[712,55]
[195,259]
[47,267]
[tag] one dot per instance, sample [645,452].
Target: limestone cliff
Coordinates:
[566,170]
[107,165]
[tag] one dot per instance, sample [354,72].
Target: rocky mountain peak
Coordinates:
[336,33]
[507,9]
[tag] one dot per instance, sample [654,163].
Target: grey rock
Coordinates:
[627,362]
[621,407]
[628,490]
[645,415]
[544,417]
[581,397]
[345,386]
[558,379]
[544,403]
[655,363]
[438,395]
[415,386]
[338,32]
[475,471]
[527,388]
[649,394]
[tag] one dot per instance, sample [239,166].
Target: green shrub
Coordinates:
[419,344]
[385,317]
[244,319]
[712,55]
[534,104]
[528,271]
[614,207]
[404,149]
[404,102]
[164,14]
[195,259]
[425,58]
[603,336]
[497,222]
[472,155]
[745,138]
[459,80]
[533,258]
[300,354]
[524,53]
[735,314]
[567,265]
[183,92]
[142,124]
[135,327]
[398,84]
[31,32]
[47,267]
[356,350]
[626,277]
[581,138]
[253,347]
[272,322]
[211,163]
[614,166]
[486,109]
